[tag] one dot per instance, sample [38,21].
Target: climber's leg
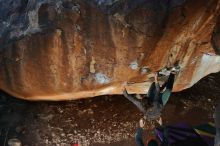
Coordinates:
[139,132]
[169,86]
[170,81]
[154,90]
[151,93]
[138,137]
[135,101]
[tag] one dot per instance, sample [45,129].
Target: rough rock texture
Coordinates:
[70,49]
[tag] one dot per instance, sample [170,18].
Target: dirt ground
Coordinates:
[99,121]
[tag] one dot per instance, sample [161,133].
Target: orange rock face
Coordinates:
[64,50]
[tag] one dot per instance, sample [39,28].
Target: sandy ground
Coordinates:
[100,121]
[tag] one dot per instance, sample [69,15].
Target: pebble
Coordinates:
[46,117]
[63,134]
[14,142]
[90,111]
[69,135]
[53,134]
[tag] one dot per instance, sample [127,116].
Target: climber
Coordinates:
[158,96]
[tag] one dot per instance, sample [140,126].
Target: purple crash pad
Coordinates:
[181,134]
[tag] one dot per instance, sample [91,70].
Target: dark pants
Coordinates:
[170,81]
[138,137]
[154,94]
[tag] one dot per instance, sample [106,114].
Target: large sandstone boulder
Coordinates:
[70,49]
